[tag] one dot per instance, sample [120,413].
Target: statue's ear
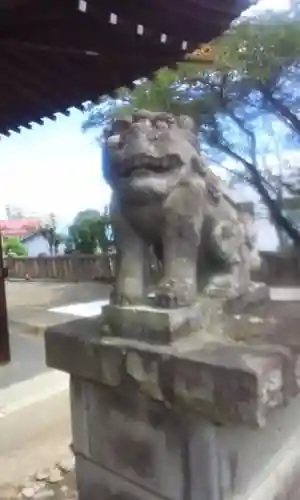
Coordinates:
[186,122]
[121,125]
[198,166]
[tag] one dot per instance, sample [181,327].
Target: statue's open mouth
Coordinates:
[147,165]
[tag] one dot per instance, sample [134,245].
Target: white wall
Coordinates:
[266,236]
[38,245]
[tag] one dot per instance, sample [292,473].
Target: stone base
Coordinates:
[151,324]
[152,422]
[164,326]
[257,294]
[154,455]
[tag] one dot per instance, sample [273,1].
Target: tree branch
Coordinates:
[274,210]
[281,109]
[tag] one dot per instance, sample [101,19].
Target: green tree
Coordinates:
[85,235]
[13,246]
[89,213]
[266,55]
[91,232]
[254,78]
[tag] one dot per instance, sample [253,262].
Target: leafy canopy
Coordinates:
[13,246]
[252,84]
[91,231]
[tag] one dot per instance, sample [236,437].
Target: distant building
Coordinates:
[28,231]
[19,227]
[36,245]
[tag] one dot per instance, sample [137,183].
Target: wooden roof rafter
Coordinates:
[40,75]
[30,87]
[170,23]
[60,53]
[23,82]
[123,36]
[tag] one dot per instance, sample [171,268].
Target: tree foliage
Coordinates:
[89,213]
[91,232]
[13,246]
[254,82]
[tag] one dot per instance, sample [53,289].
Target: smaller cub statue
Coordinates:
[166,200]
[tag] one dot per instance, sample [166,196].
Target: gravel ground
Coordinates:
[57,483]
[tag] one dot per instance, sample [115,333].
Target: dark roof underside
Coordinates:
[55,54]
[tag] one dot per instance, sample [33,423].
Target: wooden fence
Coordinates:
[276,270]
[64,268]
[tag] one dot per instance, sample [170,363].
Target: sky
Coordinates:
[56,168]
[272,4]
[52,168]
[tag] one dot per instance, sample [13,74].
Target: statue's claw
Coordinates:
[171,294]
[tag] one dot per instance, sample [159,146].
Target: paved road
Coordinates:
[47,294]
[28,358]
[34,400]
[29,302]
[34,410]
[34,437]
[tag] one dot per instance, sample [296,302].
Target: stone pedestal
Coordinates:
[257,294]
[164,326]
[151,324]
[180,422]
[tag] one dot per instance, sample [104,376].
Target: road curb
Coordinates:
[27,328]
[34,390]
[36,326]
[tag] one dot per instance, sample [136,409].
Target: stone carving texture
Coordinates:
[166,200]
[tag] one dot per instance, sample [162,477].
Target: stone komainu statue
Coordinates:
[166,199]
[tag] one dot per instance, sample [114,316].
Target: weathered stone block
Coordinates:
[230,383]
[144,415]
[144,442]
[77,350]
[256,294]
[151,324]
[136,437]
[97,483]
[225,382]
[79,416]
[287,345]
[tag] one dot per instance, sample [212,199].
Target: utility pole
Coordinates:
[4,333]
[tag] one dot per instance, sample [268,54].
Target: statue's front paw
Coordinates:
[121,299]
[171,294]
[223,285]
